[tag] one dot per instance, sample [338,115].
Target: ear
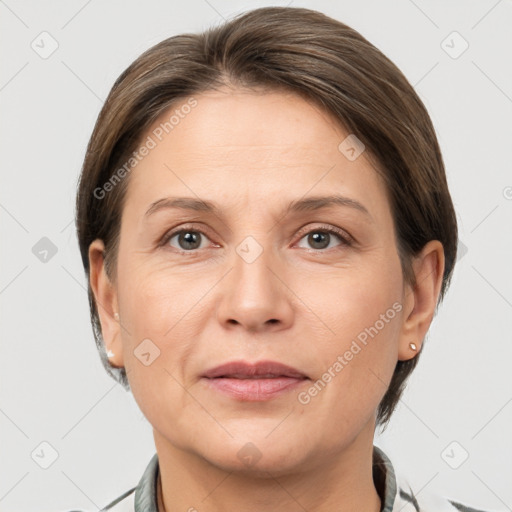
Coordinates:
[420,301]
[106,303]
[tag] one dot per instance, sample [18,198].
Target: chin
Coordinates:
[261,457]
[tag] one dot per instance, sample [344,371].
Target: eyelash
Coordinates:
[345,238]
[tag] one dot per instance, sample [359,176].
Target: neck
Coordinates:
[343,481]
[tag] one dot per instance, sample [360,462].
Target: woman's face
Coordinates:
[257,280]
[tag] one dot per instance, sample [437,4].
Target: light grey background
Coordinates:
[53,387]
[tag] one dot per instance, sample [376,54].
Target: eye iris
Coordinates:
[319,238]
[189,237]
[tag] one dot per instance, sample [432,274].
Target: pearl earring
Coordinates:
[110,354]
[413,346]
[116,315]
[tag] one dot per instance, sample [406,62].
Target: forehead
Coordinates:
[248,146]
[261,114]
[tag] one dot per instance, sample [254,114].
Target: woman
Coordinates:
[266,228]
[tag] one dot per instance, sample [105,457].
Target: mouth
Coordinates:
[254,381]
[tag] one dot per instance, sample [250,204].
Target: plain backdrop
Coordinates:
[451,433]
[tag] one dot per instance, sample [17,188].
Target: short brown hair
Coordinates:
[287,48]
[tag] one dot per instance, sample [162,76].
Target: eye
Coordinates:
[320,237]
[187,239]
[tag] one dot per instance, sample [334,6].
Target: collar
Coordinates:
[383,477]
[145,493]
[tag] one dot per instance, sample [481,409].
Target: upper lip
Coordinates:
[243,369]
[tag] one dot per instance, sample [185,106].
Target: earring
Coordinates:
[413,346]
[116,315]
[110,354]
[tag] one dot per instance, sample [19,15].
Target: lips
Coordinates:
[253,382]
[258,370]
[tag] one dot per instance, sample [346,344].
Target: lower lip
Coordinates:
[254,389]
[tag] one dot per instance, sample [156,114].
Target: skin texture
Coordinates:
[298,303]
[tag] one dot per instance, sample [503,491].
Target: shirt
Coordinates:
[394,492]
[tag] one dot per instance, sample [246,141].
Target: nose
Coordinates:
[255,295]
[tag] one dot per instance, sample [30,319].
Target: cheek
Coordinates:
[151,299]
[156,342]
[361,313]
[345,303]
[159,320]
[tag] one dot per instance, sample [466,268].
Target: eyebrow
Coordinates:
[300,205]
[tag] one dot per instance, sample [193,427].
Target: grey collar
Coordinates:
[145,493]
[383,476]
